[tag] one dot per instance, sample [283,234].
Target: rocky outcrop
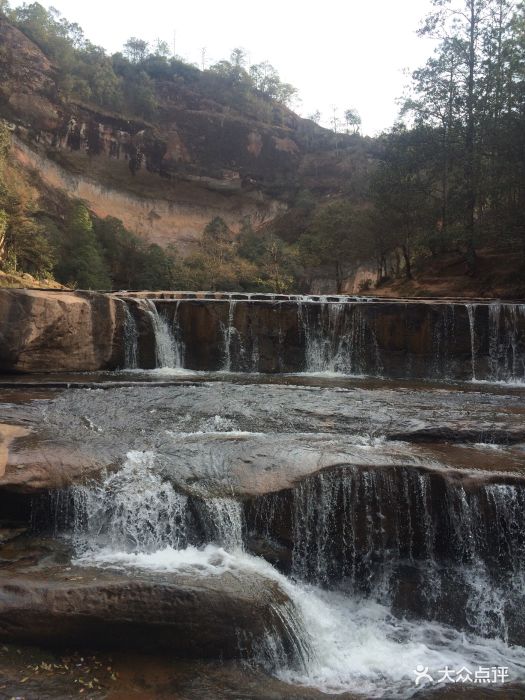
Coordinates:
[46,331]
[199,159]
[156,213]
[282,436]
[192,615]
[28,83]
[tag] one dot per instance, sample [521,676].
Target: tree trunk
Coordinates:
[339,277]
[406,257]
[470,199]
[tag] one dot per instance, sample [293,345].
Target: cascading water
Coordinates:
[471,311]
[478,341]
[131,509]
[166,349]
[370,530]
[229,334]
[338,339]
[240,353]
[134,518]
[363,543]
[131,340]
[507,342]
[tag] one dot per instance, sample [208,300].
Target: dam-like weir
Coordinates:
[326,491]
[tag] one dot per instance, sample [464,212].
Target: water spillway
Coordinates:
[401,339]
[256,483]
[209,332]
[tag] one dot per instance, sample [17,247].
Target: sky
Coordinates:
[337,53]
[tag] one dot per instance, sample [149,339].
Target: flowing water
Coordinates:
[382,521]
[166,351]
[347,638]
[475,340]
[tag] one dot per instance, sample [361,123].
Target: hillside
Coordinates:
[198,158]
[140,170]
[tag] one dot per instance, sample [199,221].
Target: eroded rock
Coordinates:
[190,615]
[46,331]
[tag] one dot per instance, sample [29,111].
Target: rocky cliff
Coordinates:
[199,159]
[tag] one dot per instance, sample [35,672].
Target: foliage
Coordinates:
[127,81]
[469,96]
[81,262]
[335,236]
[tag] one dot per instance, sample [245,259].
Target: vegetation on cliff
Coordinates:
[447,179]
[125,81]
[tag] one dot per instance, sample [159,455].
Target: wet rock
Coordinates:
[210,439]
[32,468]
[188,615]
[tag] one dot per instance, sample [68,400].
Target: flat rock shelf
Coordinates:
[217,495]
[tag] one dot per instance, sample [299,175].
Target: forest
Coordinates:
[449,176]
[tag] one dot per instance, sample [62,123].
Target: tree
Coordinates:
[136,49]
[460,25]
[278,264]
[353,120]
[331,240]
[217,240]
[161,49]
[266,80]
[238,58]
[315,117]
[470,94]
[401,191]
[81,258]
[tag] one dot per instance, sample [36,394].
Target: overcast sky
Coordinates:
[347,53]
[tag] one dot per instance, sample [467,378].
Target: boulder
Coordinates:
[200,616]
[52,331]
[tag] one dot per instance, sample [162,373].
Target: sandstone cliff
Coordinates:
[199,159]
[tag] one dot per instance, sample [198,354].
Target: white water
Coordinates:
[347,643]
[132,509]
[355,645]
[166,349]
[130,339]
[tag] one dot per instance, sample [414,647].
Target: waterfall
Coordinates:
[365,527]
[339,339]
[486,343]
[224,522]
[132,509]
[166,350]
[507,342]
[134,518]
[240,354]
[444,364]
[229,333]
[471,312]
[131,339]
[358,532]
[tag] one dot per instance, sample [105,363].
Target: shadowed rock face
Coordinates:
[190,615]
[43,331]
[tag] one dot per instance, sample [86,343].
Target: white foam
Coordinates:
[361,647]
[357,645]
[162,372]
[210,561]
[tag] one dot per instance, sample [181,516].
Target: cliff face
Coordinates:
[199,159]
